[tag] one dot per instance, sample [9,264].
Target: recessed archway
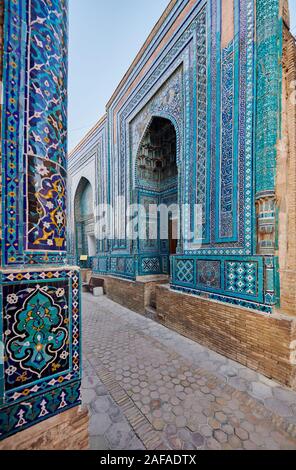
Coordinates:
[84,222]
[157,184]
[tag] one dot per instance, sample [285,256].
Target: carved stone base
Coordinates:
[66,431]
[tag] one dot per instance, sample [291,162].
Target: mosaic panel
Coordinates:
[46,211]
[150,265]
[242,278]
[20,416]
[268,87]
[123,266]
[202,125]
[165,264]
[129,266]
[113,266]
[41,326]
[185,271]
[209,273]
[235,277]
[103,264]
[36,328]
[147,222]
[47,80]
[34,124]
[227,139]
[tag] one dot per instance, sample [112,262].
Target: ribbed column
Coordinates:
[269,50]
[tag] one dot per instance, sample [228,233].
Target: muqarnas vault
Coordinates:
[40,296]
[203,116]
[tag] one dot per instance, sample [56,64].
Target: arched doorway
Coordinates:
[157,186]
[84,223]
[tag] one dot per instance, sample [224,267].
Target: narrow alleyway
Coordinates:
[149,387]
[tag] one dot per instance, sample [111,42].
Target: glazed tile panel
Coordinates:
[34,136]
[41,333]
[47,81]
[268,97]
[46,205]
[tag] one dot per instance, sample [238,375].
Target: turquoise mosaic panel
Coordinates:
[41,331]
[269,50]
[227,207]
[20,416]
[209,274]
[122,266]
[150,265]
[242,278]
[185,271]
[34,134]
[202,163]
[229,277]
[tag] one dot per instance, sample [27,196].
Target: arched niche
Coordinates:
[84,221]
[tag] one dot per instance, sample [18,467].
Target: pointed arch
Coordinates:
[84,219]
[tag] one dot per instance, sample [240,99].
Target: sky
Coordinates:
[105,37]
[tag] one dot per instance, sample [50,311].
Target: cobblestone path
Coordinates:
[149,387]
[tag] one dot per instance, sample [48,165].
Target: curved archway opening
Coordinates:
[157,186]
[157,156]
[84,223]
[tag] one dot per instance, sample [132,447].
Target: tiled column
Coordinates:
[268,131]
[40,293]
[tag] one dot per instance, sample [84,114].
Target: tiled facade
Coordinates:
[215,70]
[40,372]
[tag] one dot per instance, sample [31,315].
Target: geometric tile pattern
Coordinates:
[20,416]
[150,265]
[227,139]
[234,281]
[102,264]
[201,161]
[268,103]
[185,271]
[241,278]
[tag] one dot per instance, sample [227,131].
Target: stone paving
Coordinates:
[149,387]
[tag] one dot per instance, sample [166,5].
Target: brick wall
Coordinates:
[260,342]
[286,180]
[127,293]
[67,431]
[136,296]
